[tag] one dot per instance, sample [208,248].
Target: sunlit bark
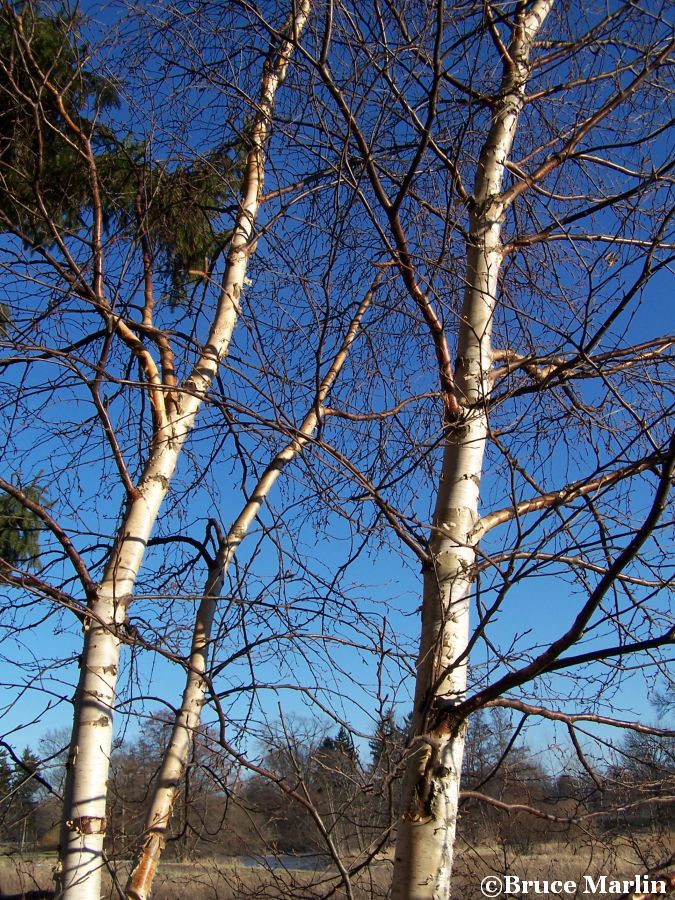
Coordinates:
[426,832]
[84,821]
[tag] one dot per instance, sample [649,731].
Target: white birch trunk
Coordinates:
[426,831]
[177,755]
[84,819]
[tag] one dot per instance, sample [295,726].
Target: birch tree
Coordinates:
[195,693]
[466,149]
[494,182]
[82,275]
[498,134]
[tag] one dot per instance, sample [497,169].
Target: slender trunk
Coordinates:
[426,832]
[188,719]
[84,818]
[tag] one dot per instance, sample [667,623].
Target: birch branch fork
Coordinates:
[84,819]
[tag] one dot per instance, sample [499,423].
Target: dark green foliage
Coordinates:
[44,176]
[175,207]
[182,207]
[20,528]
[5,774]
[19,799]
[342,743]
[5,794]
[48,184]
[26,786]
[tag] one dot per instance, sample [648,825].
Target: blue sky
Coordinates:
[383,584]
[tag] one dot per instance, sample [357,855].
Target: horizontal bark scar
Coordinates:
[102,722]
[88,825]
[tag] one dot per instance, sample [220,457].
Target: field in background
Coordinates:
[210,879]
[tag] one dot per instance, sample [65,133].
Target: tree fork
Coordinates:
[91,744]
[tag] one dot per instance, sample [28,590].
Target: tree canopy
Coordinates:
[337,381]
[50,183]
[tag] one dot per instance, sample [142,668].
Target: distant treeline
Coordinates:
[313,786]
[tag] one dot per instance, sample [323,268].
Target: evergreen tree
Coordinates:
[343,743]
[51,120]
[20,528]
[19,799]
[5,794]
[25,791]
[44,175]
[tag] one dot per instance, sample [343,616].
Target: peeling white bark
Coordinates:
[426,831]
[84,820]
